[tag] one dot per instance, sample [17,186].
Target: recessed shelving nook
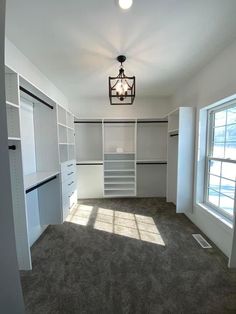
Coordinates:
[119,158]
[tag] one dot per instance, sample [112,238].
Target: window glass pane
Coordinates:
[213,197]
[220,118]
[231,115]
[230,150]
[227,204]
[215,167]
[227,187]
[219,134]
[214,183]
[218,150]
[231,133]
[229,170]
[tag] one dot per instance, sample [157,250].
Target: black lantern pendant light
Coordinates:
[121,87]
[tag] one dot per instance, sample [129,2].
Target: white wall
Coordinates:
[18,62]
[217,80]
[101,108]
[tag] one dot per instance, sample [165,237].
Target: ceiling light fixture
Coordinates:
[125,4]
[121,87]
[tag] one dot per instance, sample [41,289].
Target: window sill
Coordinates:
[217,215]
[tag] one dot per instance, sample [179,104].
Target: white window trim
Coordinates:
[206,204]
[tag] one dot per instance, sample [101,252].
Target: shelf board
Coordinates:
[63,143]
[119,189]
[123,176]
[36,178]
[11,104]
[173,131]
[65,126]
[122,153]
[14,139]
[126,160]
[118,170]
[89,162]
[118,183]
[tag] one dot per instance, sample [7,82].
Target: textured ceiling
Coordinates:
[75,43]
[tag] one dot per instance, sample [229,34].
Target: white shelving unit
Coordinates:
[34,162]
[66,144]
[180,148]
[66,134]
[119,158]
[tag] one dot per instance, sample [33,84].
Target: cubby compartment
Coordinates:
[11,87]
[62,134]
[13,122]
[71,152]
[70,136]
[69,120]
[61,113]
[63,150]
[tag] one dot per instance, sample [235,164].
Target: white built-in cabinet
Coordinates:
[180,158]
[35,156]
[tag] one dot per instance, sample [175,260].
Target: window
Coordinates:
[221,159]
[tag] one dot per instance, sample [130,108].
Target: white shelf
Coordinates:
[105,177]
[119,182]
[34,179]
[173,131]
[65,126]
[115,153]
[89,162]
[12,104]
[118,189]
[151,160]
[119,170]
[63,143]
[14,139]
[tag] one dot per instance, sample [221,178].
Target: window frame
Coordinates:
[208,158]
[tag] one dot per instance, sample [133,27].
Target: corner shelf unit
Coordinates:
[66,134]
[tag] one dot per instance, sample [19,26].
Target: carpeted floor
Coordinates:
[127,256]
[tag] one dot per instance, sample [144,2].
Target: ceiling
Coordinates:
[75,42]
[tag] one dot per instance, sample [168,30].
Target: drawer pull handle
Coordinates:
[70,165]
[69,174]
[70,183]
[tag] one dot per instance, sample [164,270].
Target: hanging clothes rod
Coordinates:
[89,121]
[40,184]
[119,121]
[36,97]
[152,121]
[12,147]
[150,163]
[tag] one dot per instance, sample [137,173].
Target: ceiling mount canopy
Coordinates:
[121,87]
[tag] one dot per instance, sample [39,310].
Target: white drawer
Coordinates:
[69,174]
[68,166]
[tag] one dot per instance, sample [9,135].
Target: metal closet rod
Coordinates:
[36,97]
[12,147]
[40,184]
[151,163]
[122,121]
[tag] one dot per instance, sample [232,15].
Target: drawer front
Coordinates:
[69,174]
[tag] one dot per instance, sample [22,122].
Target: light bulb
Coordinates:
[125,4]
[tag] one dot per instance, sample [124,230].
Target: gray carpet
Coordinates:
[80,268]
